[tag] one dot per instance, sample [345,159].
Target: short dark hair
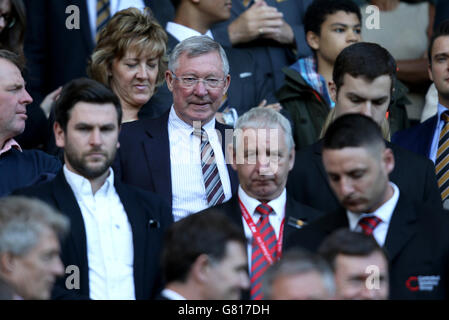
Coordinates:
[318,11]
[368,60]
[176,3]
[442,30]
[350,243]
[83,90]
[352,130]
[200,233]
[12,57]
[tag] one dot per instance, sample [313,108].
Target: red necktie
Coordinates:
[258,262]
[368,224]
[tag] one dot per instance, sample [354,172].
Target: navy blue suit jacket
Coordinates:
[143,159]
[417,138]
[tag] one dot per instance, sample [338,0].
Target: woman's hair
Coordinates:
[13,35]
[129,29]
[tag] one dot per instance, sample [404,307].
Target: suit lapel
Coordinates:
[157,151]
[291,214]
[233,211]
[138,224]
[428,135]
[226,134]
[402,227]
[67,204]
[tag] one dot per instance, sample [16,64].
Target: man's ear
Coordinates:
[429,71]
[313,40]
[388,159]
[227,83]
[333,91]
[200,268]
[6,263]
[59,135]
[169,80]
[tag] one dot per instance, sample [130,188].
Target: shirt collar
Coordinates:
[172,295]
[251,204]
[181,32]
[82,187]
[178,123]
[9,144]
[384,212]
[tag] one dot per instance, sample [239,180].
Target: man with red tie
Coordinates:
[262,153]
[414,237]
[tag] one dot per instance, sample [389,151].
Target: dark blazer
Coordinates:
[143,159]
[271,56]
[247,89]
[413,174]
[294,213]
[148,216]
[417,138]
[417,244]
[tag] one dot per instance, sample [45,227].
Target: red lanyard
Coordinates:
[256,235]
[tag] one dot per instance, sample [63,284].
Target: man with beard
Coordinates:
[116,230]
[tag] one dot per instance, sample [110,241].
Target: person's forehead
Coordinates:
[382,84]
[89,111]
[256,137]
[354,153]
[440,45]
[206,62]
[9,72]
[342,17]
[348,263]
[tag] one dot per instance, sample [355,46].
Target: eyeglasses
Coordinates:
[9,21]
[190,82]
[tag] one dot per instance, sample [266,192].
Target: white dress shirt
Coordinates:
[110,249]
[436,134]
[181,32]
[188,190]
[172,295]
[275,218]
[115,5]
[384,212]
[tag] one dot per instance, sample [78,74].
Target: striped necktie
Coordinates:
[212,183]
[258,262]
[247,3]
[368,224]
[103,15]
[442,159]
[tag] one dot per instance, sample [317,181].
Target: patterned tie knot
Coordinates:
[368,224]
[264,209]
[445,116]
